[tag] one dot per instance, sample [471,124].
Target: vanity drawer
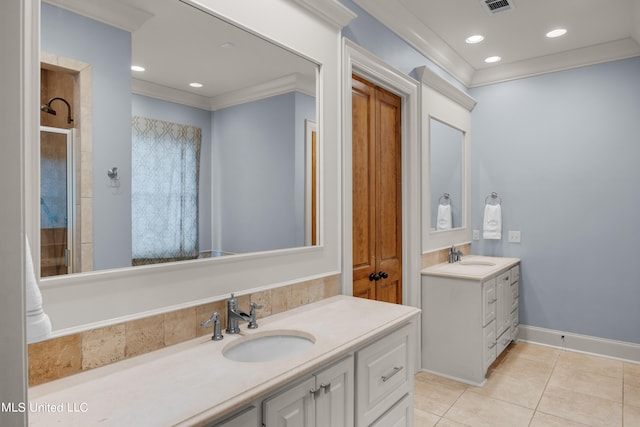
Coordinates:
[515,322]
[382,375]
[505,278]
[399,415]
[489,344]
[515,294]
[503,341]
[514,272]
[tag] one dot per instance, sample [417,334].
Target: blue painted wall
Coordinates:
[73,36]
[562,151]
[255,201]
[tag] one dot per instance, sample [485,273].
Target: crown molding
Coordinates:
[286,84]
[331,11]
[430,78]
[597,54]
[113,13]
[406,25]
[164,93]
[402,22]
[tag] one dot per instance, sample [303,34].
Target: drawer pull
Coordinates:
[396,369]
[493,344]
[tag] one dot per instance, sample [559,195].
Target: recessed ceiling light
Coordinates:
[557,33]
[493,59]
[137,68]
[227,45]
[195,84]
[474,39]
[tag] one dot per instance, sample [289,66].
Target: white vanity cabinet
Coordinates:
[469,317]
[324,399]
[358,372]
[384,376]
[379,384]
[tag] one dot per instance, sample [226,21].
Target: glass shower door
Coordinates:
[56,201]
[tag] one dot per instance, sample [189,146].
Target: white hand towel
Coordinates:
[492,226]
[38,323]
[444,217]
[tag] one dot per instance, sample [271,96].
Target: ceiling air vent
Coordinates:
[497,6]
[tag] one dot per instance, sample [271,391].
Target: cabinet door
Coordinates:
[293,407]
[334,399]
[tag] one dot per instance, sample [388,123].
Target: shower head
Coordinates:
[46,108]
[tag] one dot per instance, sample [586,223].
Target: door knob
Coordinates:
[383,274]
[374,277]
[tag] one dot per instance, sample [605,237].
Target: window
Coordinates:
[164,191]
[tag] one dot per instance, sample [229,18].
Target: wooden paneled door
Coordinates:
[377,192]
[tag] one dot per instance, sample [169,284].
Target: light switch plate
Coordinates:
[476,234]
[514,236]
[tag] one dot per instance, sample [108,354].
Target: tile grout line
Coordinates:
[535,410]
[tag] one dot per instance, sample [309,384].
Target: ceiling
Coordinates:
[178,44]
[597,31]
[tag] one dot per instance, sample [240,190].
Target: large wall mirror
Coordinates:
[446,131]
[446,175]
[208,148]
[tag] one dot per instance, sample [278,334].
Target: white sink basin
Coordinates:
[268,346]
[476,262]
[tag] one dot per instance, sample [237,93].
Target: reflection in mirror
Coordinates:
[214,143]
[446,156]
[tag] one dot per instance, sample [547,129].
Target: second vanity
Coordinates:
[470,315]
[358,372]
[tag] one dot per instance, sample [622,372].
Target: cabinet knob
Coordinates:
[374,277]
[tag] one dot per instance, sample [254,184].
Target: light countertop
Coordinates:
[192,382]
[472,267]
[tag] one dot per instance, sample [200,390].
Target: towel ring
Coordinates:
[445,199]
[493,199]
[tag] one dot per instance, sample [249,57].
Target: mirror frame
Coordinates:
[443,101]
[83,301]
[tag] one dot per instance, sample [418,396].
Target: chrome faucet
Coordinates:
[217,329]
[454,255]
[234,314]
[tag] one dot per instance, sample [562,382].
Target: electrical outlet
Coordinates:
[476,234]
[514,237]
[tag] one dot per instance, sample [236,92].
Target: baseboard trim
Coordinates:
[454,378]
[619,350]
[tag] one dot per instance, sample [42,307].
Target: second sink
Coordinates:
[268,346]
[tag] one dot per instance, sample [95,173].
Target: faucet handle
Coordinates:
[253,324]
[217,327]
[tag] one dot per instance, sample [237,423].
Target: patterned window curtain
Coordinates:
[164,191]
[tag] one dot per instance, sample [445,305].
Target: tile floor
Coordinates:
[535,386]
